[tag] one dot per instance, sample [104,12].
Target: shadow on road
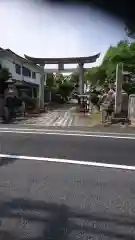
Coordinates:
[5,161]
[59,222]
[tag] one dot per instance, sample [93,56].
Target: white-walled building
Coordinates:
[27,75]
[20,68]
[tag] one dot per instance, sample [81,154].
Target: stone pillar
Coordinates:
[131,108]
[81,78]
[41,87]
[119,81]
[45,78]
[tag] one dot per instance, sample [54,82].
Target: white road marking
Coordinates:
[62,120]
[56,123]
[64,123]
[49,121]
[67,117]
[70,122]
[64,130]
[59,160]
[54,120]
[69,133]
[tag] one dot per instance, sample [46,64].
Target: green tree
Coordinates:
[113,56]
[130,29]
[4,76]
[95,76]
[65,89]
[74,79]
[59,78]
[50,81]
[123,52]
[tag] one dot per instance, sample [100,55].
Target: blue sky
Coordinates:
[56,31]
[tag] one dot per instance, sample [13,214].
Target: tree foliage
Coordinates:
[50,81]
[4,76]
[59,84]
[59,78]
[99,76]
[74,79]
[65,89]
[123,52]
[130,29]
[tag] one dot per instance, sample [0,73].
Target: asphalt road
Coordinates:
[105,150]
[56,201]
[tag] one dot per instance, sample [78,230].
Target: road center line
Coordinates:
[67,161]
[66,133]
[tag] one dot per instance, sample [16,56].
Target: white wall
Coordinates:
[9,62]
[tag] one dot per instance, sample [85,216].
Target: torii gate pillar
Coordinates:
[41,87]
[81,78]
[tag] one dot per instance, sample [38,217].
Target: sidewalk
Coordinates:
[69,118]
[66,116]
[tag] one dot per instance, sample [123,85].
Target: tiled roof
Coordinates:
[23,59]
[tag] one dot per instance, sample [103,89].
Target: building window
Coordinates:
[26,72]
[18,69]
[33,75]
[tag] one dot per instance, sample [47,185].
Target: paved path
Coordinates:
[45,195]
[61,117]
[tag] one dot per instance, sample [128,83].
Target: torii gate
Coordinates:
[61,61]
